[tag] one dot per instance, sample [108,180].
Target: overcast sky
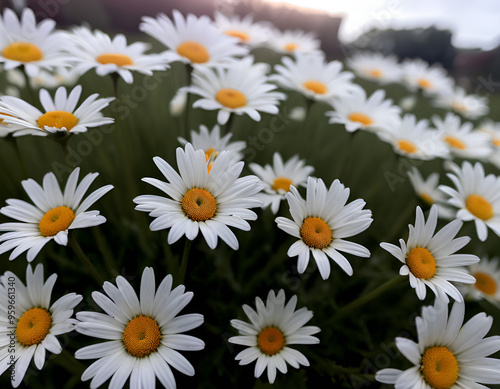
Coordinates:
[475,24]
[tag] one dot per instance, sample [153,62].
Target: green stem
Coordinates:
[14,142]
[86,261]
[183,266]
[189,72]
[366,298]
[29,88]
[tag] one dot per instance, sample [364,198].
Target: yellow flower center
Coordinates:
[271,340]
[426,198]
[375,73]
[141,336]
[421,263]
[455,142]
[459,107]
[243,36]
[281,183]
[116,58]
[33,326]
[485,283]
[315,86]
[199,205]
[407,146]
[360,118]
[56,220]
[479,207]
[291,46]
[58,119]
[424,83]
[22,52]
[496,142]
[439,367]
[194,51]
[231,98]
[316,233]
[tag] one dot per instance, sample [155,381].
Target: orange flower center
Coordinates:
[485,283]
[421,263]
[141,336]
[243,36]
[281,183]
[56,220]
[407,146]
[58,119]
[231,98]
[439,367]
[424,83]
[33,326]
[194,51]
[455,142]
[426,198]
[22,52]
[375,73]
[199,205]
[315,86]
[479,207]
[291,46]
[316,233]
[271,340]
[360,118]
[117,59]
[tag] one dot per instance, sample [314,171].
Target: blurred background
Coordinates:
[462,36]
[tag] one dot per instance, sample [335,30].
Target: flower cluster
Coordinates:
[291,160]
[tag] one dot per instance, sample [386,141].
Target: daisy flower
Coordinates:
[201,200]
[312,76]
[96,50]
[36,321]
[23,42]
[463,142]
[414,139]
[469,106]
[53,214]
[142,333]
[375,67]
[321,222]
[356,111]
[61,116]
[476,196]
[432,80]
[278,179]
[427,191]
[447,354]
[193,40]
[240,89]
[248,32]
[429,260]
[212,143]
[293,42]
[272,328]
[487,285]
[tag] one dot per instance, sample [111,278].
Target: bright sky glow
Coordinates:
[474,24]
